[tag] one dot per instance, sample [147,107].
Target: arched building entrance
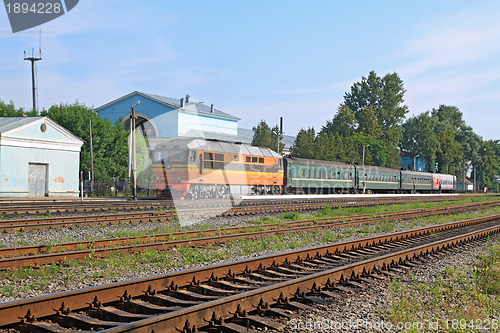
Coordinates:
[144,124]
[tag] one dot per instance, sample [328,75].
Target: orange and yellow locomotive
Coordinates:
[203,169]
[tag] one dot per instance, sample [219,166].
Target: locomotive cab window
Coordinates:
[254,159]
[192,156]
[261,159]
[248,159]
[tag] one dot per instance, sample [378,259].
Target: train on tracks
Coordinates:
[203,169]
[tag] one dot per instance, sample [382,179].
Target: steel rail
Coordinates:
[78,299]
[43,207]
[33,255]
[14,225]
[199,315]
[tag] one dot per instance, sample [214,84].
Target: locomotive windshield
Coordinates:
[171,155]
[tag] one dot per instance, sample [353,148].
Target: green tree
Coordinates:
[9,110]
[385,97]
[110,146]
[144,164]
[420,137]
[326,147]
[303,146]
[450,152]
[343,123]
[275,136]
[368,123]
[449,125]
[262,136]
[471,144]
[490,165]
[449,115]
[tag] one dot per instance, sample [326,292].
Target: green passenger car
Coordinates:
[414,181]
[377,179]
[313,176]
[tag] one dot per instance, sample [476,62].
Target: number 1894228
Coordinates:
[35,8]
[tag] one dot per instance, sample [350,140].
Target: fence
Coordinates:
[118,188]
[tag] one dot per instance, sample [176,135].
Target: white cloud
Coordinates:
[454,40]
[454,60]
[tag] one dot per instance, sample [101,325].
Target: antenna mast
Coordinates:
[34,58]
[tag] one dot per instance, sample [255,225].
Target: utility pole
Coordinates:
[364,153]
[33,59]
[134,175]
[280,134]
[464,188]
[475,185]
[91,158]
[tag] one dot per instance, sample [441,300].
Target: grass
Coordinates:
[458,300]
[487,271]
[122,265]
[329,212]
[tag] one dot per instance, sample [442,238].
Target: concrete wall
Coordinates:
[62,168]
[189,121]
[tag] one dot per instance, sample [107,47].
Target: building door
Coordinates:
[37,180]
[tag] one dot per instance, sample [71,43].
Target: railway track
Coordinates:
[16,208]
[42,254]
[233,296]
[203,211]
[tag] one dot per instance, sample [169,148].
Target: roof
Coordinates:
[195,107]
[305,161]
[216,146]
[18,131]
[9,123]
[378,168]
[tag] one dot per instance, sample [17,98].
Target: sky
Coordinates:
[263,59]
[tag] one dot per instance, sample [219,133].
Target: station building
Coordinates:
[38,158]
[163,117]
[160,117]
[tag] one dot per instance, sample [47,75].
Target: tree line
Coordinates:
[373,115]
